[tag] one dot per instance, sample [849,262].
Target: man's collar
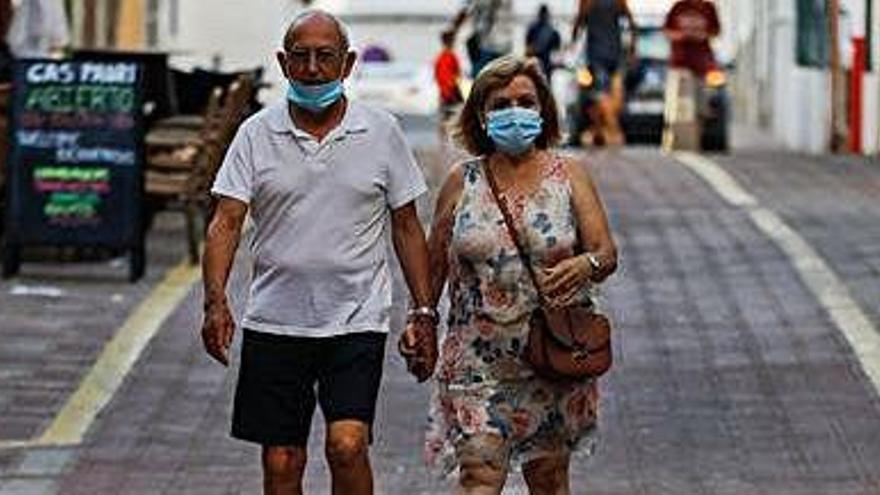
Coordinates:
[280,121]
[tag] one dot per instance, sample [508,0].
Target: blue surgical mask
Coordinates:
[514,130]
[314,97]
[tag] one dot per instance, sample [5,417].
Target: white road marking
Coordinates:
[115,362]
[832,294]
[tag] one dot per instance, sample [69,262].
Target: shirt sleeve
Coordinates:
[235,178]
[405,179]
[672,17]
[714,24]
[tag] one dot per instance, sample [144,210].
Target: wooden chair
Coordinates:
[182,161]
[5,102]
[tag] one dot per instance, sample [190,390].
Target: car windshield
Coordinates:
[653,44]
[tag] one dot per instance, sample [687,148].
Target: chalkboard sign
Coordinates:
[75,163]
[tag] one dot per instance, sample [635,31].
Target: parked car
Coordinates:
[645,87]
[400,87]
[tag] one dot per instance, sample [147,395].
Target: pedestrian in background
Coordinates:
[489,410]
[39,29]
[447,75]
[690,26]
[322,177]
[492,32]
[605,59]
[543,40]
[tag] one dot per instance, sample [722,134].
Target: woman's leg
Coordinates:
[548,475]
[482,465]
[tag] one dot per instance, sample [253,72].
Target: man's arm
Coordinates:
[412,251]
[418,344]
[581,18]
[221,243]
[714,23]
[459,19]
[670,25]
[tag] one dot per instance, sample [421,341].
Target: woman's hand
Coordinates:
[418,346]
[562,282]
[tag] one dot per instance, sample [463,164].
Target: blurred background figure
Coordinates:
[39,28]
[492,32]
[375,53]
[605,58]
[690,26]
[543,40]
[447,75]
[5,53]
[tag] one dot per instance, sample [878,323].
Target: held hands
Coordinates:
[562,282]
[217,330]
[418,346]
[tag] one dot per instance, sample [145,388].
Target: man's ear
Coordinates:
[281,57]
[350,59]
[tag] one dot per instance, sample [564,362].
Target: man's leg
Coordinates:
[348,386]
[283,470]
[348,456]
[274,403]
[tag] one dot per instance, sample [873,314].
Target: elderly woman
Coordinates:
[489,410]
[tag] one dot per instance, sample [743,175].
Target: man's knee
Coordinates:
[347,446]
[283,462]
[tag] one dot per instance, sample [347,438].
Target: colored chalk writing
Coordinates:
[75,163]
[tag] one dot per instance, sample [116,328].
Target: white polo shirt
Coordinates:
[321,214]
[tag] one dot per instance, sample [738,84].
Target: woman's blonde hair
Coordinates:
[470,132]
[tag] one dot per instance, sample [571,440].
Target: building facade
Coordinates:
[783,83]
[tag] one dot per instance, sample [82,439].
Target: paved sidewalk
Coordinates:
[729,378]
[55,318]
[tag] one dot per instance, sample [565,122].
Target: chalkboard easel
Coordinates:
[76,159]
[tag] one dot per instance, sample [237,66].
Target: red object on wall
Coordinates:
[856,95]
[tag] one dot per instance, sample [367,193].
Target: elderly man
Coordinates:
[321,177]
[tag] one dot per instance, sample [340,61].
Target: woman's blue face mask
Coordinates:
[514,129]
[314,97]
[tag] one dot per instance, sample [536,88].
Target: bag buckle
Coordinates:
[580,354]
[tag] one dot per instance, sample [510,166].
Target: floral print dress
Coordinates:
[482,387]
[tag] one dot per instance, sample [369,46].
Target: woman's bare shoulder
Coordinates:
[576,167]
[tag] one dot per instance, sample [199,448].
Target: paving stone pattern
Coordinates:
[729,378]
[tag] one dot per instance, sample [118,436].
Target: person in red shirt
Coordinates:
[690,26]
[447,73]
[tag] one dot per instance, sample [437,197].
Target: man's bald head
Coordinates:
[316,17]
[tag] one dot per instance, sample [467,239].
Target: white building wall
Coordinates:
[794,102]
[871,134]
[801,102]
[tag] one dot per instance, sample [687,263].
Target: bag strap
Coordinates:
[511,230]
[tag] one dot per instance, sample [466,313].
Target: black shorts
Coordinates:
[281,379]
[603,75]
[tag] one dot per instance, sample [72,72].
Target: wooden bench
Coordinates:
[183,155]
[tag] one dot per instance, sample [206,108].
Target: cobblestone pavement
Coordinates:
[730,378]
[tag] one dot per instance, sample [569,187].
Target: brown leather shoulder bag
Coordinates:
[564,343]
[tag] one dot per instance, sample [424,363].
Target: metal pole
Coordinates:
[838,137]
